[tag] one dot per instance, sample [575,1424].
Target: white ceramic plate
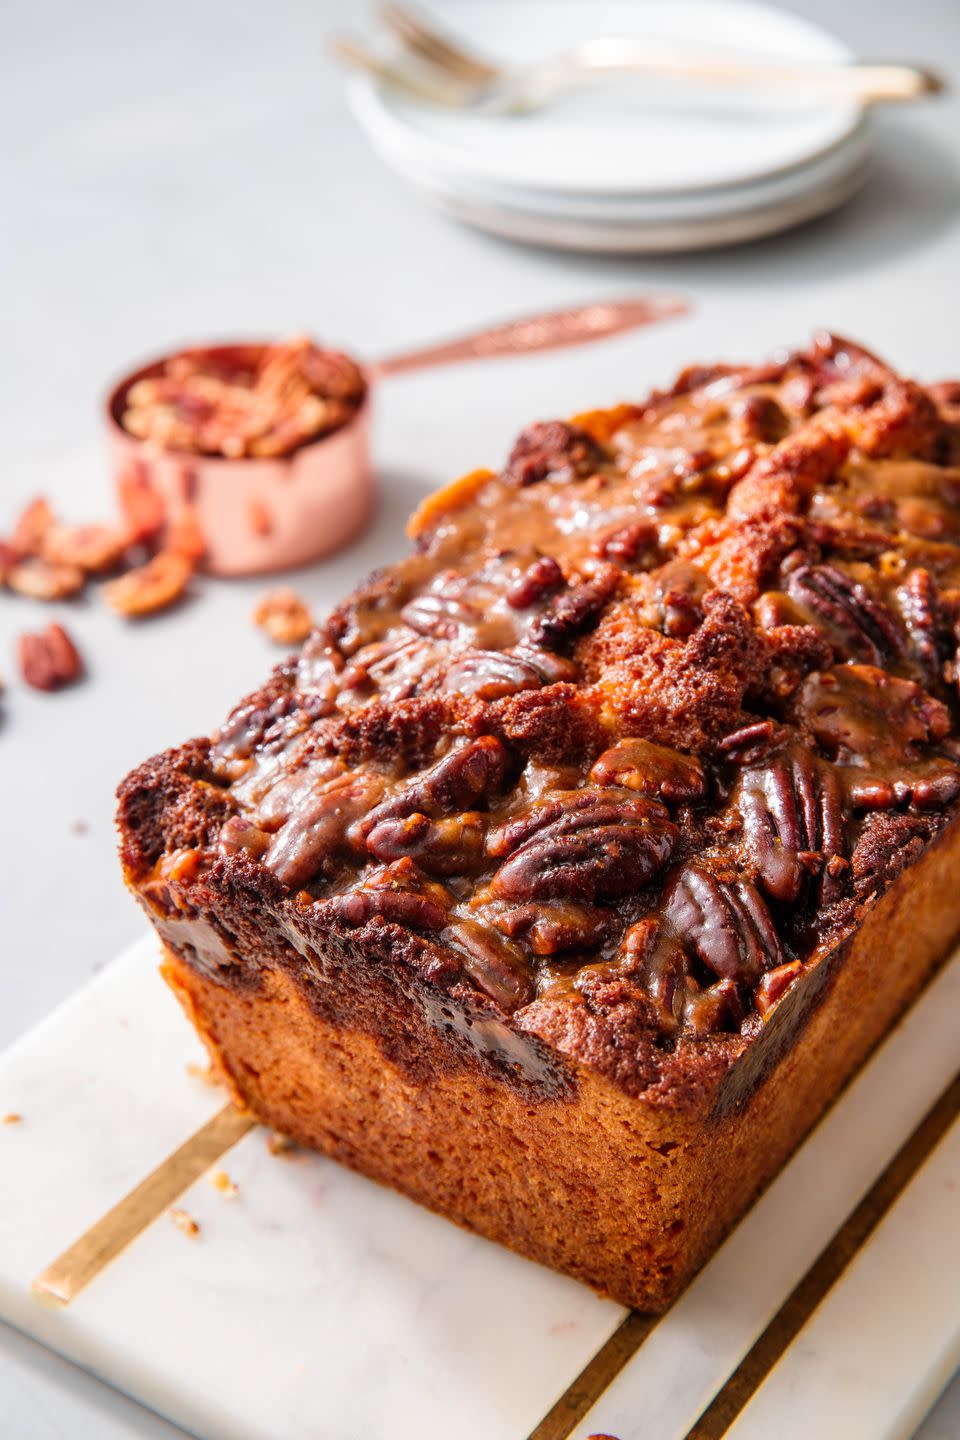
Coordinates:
[631,135]
[695,205]
[657,235]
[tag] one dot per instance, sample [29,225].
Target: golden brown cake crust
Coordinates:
[591,804]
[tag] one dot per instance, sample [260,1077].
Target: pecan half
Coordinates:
[920,608]
[488,674]
[866,626]
[793,821]
[725,923]
[316,828]
[582,845]
[492,963]
[551,449]
[151,587]
[628,544]
[551,927]
[400,907]
[537,582]
[862,713]
[652,770]
[574,611]
[464,777]
[451,846]
[49,659]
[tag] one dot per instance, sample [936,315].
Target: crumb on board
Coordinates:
[13,1117]
[206,1073]
[279,1144]
[184,1222]
[221,1181]
[80,827]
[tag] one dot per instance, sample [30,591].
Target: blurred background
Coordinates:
[195,172]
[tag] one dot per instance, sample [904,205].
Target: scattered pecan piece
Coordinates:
[32,526]
[184,535]
[39,579]
[285,617]
[159,583]
[49,659]
[94,549]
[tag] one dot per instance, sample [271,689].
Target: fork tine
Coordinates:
[432,88]
[435,48]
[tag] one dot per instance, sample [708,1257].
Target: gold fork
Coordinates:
[449,73]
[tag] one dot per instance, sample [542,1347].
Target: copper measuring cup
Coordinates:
[255,515]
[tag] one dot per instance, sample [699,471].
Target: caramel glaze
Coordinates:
[644,722]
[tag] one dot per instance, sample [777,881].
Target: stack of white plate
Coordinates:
[638,163]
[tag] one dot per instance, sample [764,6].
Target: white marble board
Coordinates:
[315,1304]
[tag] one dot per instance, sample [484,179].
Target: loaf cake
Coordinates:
[580,857]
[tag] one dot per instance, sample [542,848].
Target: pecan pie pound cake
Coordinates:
[580,857]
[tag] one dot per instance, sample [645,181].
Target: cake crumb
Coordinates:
[206,1073]
[80,827]
[221,1181]
[184,1222]
[12,1118]
[279,1144]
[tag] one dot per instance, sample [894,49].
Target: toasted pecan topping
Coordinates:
[646,719]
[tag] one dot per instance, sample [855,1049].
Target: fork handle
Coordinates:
[863,83]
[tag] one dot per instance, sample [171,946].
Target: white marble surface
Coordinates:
[313,1303]
[310,1303]
[201,176]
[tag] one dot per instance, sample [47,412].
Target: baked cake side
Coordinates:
[580,857]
